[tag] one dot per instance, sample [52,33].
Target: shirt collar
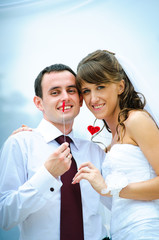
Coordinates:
[50,132]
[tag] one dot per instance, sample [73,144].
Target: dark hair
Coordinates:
[102,66]
[53,68]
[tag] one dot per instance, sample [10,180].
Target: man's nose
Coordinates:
[64,95]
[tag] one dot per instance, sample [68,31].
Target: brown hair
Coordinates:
[53,68]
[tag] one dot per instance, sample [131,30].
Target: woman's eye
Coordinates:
[100,87]
[85,91]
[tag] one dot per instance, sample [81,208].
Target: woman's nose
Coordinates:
[94,97]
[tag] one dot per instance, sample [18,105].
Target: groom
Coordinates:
[33,165]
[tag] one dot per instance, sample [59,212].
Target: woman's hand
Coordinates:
[89,172]
[22,128]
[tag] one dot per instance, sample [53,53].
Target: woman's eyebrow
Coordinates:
[83,88]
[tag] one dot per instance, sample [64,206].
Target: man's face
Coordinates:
[58,87]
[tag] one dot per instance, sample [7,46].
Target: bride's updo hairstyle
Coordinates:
[101,67]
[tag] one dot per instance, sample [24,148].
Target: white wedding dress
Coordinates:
[131,219]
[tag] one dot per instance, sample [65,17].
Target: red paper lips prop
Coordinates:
[92,129]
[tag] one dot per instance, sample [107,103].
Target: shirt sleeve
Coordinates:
[20,197]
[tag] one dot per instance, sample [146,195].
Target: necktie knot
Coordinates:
[61,139]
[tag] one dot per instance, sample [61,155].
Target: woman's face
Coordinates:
[102,100]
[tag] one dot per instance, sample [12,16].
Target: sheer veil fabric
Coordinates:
[138,82]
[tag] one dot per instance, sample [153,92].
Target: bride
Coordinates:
[130,171]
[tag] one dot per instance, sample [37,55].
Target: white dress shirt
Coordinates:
[26,198]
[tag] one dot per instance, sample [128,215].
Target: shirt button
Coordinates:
[51,189]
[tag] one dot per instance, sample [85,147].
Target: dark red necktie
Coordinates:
[71,224]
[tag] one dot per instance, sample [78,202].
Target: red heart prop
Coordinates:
[92,129]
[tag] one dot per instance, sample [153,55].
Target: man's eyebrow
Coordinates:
[69,86]
[53,88]
[74,86]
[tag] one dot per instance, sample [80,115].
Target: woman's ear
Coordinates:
[121,87]
[38,102]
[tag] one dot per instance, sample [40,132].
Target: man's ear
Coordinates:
[38,102]
[81,100]
[121,87]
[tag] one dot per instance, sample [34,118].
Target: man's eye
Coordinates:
[54,93]
[72,90]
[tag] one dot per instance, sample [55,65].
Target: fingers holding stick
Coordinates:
[90,173]
[59,161]
[88,165]
[85,172]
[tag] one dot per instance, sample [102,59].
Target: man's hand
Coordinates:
[59,161]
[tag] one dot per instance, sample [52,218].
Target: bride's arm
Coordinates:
[22,128]
[146,190]
[145,133]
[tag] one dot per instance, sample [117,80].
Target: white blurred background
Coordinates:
[38,33]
